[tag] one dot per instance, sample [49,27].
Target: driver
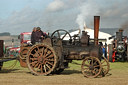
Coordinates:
[37,35]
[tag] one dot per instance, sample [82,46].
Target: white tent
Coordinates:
[102,35]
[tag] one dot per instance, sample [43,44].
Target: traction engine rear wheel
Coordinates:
[41,59]
[91,67]
[105,66]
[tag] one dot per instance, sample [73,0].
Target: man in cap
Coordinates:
[39,34]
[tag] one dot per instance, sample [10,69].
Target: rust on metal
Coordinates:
[23,55]
[41,59]
[1,48]
[96,29]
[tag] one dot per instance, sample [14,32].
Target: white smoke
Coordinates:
[64,14]
[87,10]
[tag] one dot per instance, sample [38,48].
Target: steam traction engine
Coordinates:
[54,53]
[118,50]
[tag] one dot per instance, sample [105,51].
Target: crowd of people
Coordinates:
[37,35]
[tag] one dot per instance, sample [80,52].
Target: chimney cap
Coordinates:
[121,30]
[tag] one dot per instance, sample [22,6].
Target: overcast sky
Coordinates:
[18,16]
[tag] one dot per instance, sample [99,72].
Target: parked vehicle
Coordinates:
[118,50]
[54,53]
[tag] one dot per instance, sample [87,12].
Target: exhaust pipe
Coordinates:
[119,35]
[96,29]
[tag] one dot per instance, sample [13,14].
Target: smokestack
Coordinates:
[96,28]
[121,30]
[119,35]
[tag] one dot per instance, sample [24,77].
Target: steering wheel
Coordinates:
[59,34]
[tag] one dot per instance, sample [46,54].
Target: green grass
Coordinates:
[75,65]
[14,64]
[119,65]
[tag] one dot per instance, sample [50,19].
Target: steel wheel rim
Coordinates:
[42,61]
[90,69]
[105,65]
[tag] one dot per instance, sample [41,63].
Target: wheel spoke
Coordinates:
[33,55]
[58,34]
[48,53]
[45,68]
[36,65]
[84,69]
[38,49]
[33,63]
[96,66]
[33,59]
[95,62]
[103,62]
[88,61]
[51,56]
[92,61]
[49,63]
[42,51]
[94,71]
[64,36]
[50,60]
[45,51]
[86,65]
[36,53]
[41,68]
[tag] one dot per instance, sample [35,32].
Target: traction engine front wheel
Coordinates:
[91,67]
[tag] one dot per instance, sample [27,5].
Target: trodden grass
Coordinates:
[118,75]
[75,65]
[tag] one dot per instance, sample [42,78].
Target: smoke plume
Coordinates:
[87,10]
[64,14]
[125,25]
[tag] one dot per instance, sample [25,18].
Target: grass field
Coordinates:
[118,75]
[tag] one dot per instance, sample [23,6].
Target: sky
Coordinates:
[18,16]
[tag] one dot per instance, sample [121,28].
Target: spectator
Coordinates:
[104,51]
[33,36]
